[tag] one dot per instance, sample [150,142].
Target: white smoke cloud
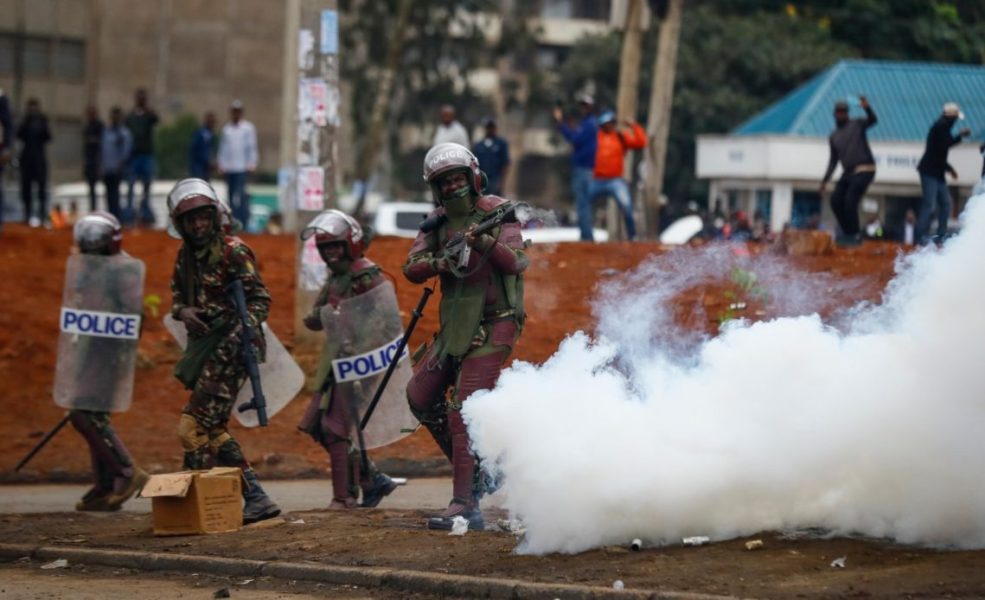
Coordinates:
[874,428]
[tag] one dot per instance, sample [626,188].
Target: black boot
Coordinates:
[380,487]
[258,506]
[457,508]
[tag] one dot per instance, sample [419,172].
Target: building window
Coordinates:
[764,204]
[591,9]
[550,57]
[40,56]
[37,56]
[8,51]
[576,9]
[70,59]
[806,210]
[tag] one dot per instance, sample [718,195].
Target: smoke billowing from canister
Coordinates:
[875,427]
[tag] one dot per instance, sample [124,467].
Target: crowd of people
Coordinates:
[121,150]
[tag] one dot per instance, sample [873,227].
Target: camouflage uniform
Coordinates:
[209,261]
[200,280]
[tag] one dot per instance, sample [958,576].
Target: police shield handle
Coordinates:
[399,352]
[258,402]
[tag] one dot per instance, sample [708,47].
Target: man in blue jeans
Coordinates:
[932,166]
[583,143]
[238,157]
[141,122]
[610,150]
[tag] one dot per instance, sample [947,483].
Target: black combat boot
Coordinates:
[258,505]
[380,486]
[458,508]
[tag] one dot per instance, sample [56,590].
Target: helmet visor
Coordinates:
[335,224]
[94,232]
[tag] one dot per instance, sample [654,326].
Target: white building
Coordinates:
[774,162]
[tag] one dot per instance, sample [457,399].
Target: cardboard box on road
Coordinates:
[192,502]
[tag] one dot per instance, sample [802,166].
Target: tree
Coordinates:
[729,67]
[428,73]
[171,143]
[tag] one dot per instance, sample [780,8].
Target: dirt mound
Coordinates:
[560,284]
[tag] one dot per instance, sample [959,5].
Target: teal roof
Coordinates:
[906,97]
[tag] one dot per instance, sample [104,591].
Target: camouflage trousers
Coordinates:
[110,458]
[202,428]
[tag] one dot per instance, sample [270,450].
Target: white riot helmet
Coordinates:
[192,194]
[335,226]
[98,232]
[447,157]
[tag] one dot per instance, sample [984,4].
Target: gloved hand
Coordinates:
[313,322]
[193,323]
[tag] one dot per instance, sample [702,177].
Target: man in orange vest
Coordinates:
[612,146]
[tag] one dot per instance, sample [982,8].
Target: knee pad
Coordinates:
[191,435]
[217,438]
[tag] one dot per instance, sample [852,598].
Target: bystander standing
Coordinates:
[201,152]
[238,157]
[141,122]
[92,139]
[493,153]
[449,129]
[6,142]
[850,145]
[612,146]
[932,167]
[583,141]
[34,135]
[115,148]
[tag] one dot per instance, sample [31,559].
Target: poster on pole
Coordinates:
[311,188]
[329,32]
[306,49]
[313,271]
[313,101]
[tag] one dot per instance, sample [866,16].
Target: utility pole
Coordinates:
[626,101]
[310,118]
[661,99]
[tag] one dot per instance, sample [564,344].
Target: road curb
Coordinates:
[440,584]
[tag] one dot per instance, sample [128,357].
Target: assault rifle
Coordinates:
[457,251]
[258,402]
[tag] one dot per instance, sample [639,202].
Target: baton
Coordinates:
[44,441]
[363,457]
[393,364]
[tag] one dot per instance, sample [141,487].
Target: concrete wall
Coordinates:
[191,56]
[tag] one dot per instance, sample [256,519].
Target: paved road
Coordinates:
[420,493]
[30,582]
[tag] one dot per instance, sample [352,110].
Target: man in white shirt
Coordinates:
[238,157]
[450,130]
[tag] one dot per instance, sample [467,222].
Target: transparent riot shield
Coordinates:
[100,324]
[280,377]
[366,330]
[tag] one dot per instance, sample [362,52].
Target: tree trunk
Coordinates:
[629,81]
[661,99]
[366,161]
